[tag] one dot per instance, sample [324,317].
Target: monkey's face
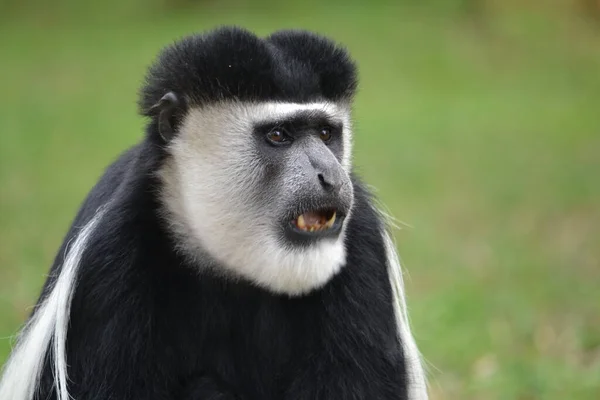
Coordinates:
[264,190]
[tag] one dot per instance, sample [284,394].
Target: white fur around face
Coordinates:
[213,200]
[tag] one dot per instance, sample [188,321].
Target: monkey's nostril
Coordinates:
[322,180]
[328,184]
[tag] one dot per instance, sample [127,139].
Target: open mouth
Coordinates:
[315,225]
[316,221]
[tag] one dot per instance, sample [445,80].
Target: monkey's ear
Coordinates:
[165,108]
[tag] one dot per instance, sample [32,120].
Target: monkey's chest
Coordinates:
[255,346]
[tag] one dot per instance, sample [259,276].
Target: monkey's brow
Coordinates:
[303,118]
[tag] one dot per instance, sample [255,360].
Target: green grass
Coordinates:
[484,139]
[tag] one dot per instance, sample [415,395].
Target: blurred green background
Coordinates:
[477,121]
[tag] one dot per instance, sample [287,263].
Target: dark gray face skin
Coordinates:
[310,147]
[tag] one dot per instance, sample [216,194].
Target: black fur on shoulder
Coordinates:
[231,63]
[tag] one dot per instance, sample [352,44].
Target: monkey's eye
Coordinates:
[277,136]
[325,134]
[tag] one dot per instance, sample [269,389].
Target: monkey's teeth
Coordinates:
[301,224]
[314,224]
[329,223]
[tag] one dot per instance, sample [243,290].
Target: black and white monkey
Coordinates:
[232,253]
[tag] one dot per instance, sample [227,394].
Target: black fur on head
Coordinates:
[231,63]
